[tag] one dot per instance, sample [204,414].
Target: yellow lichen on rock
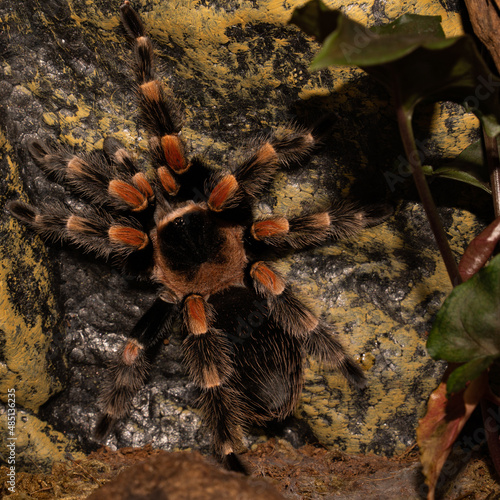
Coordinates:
[26,340]
[36,442]
[26,335]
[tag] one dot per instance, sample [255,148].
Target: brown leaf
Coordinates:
[441,425]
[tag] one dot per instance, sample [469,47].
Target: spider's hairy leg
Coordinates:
[322,345]
[299,321]
[296,232]
[207,354]
[130,368]
[159,112]
[293,143]
[254,174]
[128,171]
[119,185]
[340,220]
[91,229]
[295,317]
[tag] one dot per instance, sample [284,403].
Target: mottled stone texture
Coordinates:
[237,68]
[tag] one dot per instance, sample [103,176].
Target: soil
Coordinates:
[278,471]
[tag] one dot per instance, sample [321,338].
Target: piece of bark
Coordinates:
[485,19]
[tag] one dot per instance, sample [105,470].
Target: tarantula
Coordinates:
[192,229]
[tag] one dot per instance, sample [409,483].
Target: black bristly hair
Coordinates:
[246,333]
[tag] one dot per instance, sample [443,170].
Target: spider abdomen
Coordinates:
[267,361]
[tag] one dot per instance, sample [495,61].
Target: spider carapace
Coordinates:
[192,229]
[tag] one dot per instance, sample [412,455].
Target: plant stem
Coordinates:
[406,131]
[493,161]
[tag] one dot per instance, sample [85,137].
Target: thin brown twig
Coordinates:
[493,161]
[85,470]
[405,129]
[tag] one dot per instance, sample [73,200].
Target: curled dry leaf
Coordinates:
[480,249]
[440,427]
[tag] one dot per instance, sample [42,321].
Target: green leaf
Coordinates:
[460,174]
[461,376]
[469,167]
[353,44]
[411,25]
[467,327]
[410,56]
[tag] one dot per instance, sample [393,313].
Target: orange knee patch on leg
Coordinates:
[211,377]
[128,236]
[321,220]
[143,185]
[77,166]
[266,154]
[151,90]
[122,156]
[195,314]
[270,227]
[131,352]
[77,224]
[223,193]
[267,278]
[227,448]
[144,43]
[134,198]
[167,181]
[310,321]
[173,150]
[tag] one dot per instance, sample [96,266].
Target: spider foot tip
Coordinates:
[233,463]
[103,427]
